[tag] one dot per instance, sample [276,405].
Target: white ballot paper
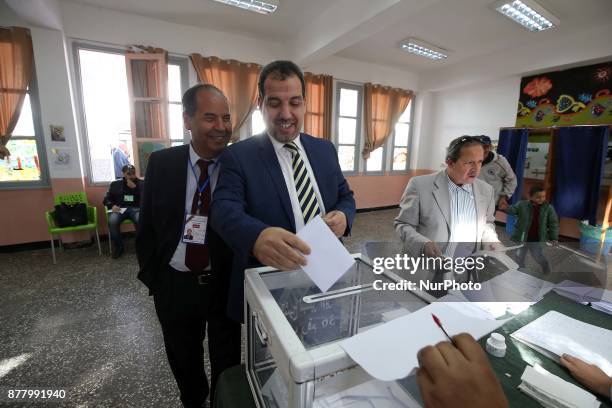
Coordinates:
[554,334]
[120,211]
[328,259]
[389,352]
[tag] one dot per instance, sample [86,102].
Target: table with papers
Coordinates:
[510,368]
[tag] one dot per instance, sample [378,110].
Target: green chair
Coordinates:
[126,221]
[92,219]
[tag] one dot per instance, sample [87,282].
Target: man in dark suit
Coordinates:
[189,278]
[272,184]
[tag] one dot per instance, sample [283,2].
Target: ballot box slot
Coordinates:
[333,294]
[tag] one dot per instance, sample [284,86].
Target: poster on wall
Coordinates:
[576,96]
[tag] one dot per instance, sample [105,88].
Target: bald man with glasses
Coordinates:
[440,210]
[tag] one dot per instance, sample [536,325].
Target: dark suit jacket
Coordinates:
[162,212]
[251,195]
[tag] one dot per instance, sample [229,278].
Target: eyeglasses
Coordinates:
[463,140]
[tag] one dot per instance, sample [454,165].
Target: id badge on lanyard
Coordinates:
[194,229]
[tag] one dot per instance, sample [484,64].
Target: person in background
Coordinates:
[122,194]
[189,278]
[498,173]
[450,206]
[121,156]
[462,377]
[536,224]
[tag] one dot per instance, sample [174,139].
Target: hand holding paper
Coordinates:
[280,249]
[328,259]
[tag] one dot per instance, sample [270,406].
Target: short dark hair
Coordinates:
[190,104]
[128,168]
[453,151]
[536,189]
[283,69]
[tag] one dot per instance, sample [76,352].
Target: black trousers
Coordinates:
[185,308]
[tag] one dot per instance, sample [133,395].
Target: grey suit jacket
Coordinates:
[425,213]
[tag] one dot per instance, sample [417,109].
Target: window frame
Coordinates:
[408,144]
[183,64]
[339,85]
[81,120]
[249,126]
[39,138]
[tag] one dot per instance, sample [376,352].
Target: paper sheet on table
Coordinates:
[557,334]
[121,211]
[389,352]
[551,390]
[328,259]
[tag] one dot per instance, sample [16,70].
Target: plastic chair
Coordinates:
[92,219]
[126,221]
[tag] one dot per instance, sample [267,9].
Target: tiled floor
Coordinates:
[87,325]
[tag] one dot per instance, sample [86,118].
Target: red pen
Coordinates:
[439,323]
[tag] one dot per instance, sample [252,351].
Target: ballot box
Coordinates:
[293,358]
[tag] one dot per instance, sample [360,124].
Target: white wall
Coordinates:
[357,71]
[54,97]
[478,109]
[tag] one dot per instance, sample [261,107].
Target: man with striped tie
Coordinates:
[272,184]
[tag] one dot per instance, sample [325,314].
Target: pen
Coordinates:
[439,324]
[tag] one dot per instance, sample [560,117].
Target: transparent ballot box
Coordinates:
[293,330]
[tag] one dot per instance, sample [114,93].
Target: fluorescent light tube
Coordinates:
[423,49]
[527,13]
[257,6]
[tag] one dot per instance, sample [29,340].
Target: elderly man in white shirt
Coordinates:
[449,207]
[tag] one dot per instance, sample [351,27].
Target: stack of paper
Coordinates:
[552,391]
[555,334]
[121,211]
[600,299]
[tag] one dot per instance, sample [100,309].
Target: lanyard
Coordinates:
[201,188]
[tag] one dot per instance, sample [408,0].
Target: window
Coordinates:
[375,162]
[401,137]
[348,125]
[24,168]
[106,108]
[257,124]
[177,84]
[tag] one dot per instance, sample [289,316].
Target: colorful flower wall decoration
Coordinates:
[577,96]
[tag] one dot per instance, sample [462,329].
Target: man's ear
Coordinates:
[186,122]
[260,101]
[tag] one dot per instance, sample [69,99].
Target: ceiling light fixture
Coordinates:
[527,13]
[423,49]
[257,6]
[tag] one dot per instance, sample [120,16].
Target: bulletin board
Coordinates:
[576,96]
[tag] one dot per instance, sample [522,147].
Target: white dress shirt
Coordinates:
[286,163]
[178,259]
[464,220]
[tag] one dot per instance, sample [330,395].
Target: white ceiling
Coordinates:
[469,28]
[370,30]
[290,16]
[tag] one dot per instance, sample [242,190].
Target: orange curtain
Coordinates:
[237,80]
[383,106]
[319,99]
[16,62]
[149,80]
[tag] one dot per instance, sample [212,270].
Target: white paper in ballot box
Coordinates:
[328,259]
